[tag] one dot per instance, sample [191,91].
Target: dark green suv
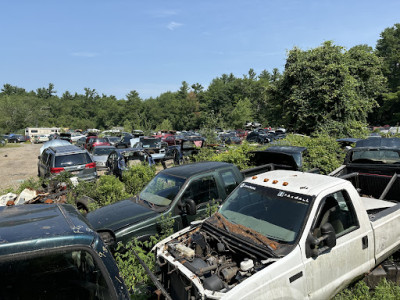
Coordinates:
[51,252]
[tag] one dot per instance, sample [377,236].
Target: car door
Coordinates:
[44,164]
[337,267]
[202,190]
[48,164]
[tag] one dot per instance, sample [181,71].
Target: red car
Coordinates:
[241,133]
[88,139]
[169,139]
[94,142]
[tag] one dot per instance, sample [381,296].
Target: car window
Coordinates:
[230,181]
[62,275]
[202,190]
[337,210]
[102,151]
[45,156]
[72,160]
[101,140]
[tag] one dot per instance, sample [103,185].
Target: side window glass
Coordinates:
[45,156]
[229,181]
[69,275]
[202,190]
[339,211]
[49,159]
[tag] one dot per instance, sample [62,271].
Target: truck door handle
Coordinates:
[364,241]
[295,277]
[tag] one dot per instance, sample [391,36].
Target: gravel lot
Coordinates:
[18,164]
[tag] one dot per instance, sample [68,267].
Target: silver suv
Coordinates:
[78,162]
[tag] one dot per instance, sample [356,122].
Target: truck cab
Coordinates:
[281,235]
[183,192]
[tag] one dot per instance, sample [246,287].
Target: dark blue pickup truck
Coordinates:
[51,252]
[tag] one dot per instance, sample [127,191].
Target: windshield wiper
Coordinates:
[258,239]
[223,224]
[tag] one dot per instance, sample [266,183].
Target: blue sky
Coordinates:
[152,46]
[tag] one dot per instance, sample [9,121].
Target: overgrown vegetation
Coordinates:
[237,155]
[360,291]
[137,177]
[133,273]
[323,152]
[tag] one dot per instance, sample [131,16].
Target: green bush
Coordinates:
[109,190]
[360,291]
[106,190]
[136,177]
[237,155]
[131,270]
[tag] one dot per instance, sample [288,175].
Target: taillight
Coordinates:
[90,166]
[56,170]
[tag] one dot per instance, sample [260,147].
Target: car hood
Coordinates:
[119,215]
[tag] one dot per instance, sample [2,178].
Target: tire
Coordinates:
[83,203]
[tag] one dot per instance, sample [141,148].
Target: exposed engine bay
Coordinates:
[218,261]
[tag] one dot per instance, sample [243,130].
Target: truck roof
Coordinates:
[189,170]
[297,182]
[41,226]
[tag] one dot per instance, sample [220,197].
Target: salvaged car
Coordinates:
[119,160]
[286,157]
[60,253]
[95,142]
[100,155]
[18,138]
[260,137]
[152,145]
[281,235]
[182,192]
[373,166]
[72,159]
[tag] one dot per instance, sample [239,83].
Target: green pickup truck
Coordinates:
[182,192]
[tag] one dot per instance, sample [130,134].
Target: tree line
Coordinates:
[328,88]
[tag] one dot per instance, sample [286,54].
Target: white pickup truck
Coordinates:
[281,235]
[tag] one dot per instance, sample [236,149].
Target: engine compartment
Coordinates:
[218,262]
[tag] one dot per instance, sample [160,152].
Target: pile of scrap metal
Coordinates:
[54,194]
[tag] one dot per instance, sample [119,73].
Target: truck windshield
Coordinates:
[386,156]
[162,189]
[274,213]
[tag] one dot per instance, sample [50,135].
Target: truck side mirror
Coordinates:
[314,246]
[190,207]
[329,235]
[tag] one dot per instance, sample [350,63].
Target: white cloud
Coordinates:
[85,54]
[173,25]
[165,13]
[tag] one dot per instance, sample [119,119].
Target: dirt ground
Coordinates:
[18,164]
